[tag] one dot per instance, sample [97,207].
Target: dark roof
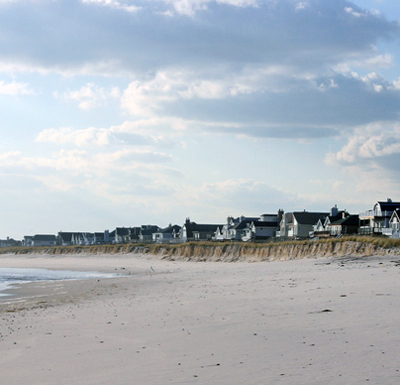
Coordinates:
[205,228]
[121,231]
[351,220]
[170,229]
[243,224]
[44,237]
[149,229]
[389,205]
[307,218]
[202,228]
[66,236]
[265,224]
[338,216]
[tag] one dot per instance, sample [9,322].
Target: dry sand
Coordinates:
[310,321]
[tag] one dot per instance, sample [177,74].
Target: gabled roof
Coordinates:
[243,224]
[396,213]
[307,218]
[170,229]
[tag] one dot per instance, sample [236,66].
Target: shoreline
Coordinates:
[298,322]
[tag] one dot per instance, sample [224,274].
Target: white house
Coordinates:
[376,221]
[169,234]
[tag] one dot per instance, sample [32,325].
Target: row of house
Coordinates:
[382,219]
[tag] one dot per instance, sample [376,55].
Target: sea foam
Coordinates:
[12,276]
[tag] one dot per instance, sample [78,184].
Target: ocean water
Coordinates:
[11,276]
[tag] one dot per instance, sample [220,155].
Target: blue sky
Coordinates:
[122,112]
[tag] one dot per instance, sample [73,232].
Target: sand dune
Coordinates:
[309,321]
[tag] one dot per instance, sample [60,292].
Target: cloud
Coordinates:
[89,96]
[149,132]
[377,144]
[191,7]
[15,88]
[100,137]
[81,162]
[146,98]
[230,33]
[113,4]
[258,101]
[301,5]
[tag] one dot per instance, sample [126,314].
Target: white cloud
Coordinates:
[78,169]
[154,133]
[113,4]
[190,7]
[15,89]
[147,97]
[369,143]
[382,61]
[301,5]
[351,11]
[90,96]
[396,84]
[89,136]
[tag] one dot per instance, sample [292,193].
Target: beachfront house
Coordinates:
[121,235]
[320,229]
[262,229]
[376,221]
[344,226]
[259,230]
[27,241]
[147,231]
[44,240]
[233,228]
[9,242]
[300,224]
[394,225]
[169,234]
[98,238]
[192,231]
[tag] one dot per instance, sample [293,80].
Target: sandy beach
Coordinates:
[309,321]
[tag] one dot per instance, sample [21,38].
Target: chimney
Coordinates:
[334,211]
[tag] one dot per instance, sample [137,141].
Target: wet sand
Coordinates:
[310,321]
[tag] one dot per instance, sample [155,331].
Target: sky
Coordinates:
[129,112]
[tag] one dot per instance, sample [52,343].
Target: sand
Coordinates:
[309,321]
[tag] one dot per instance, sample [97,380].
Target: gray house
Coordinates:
[192,231]
[299,224]
[44,240]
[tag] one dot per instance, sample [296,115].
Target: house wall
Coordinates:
[263,231]
[43,243]
[301,230]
